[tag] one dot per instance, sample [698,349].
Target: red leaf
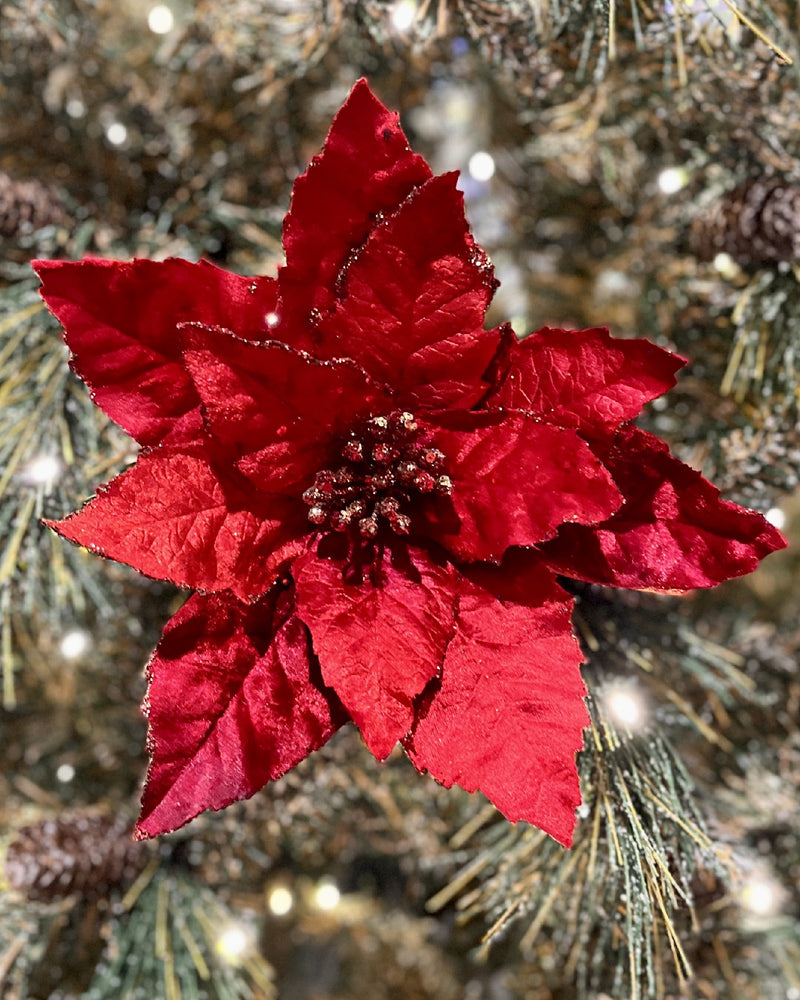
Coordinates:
[379,641]
[451,374]
[673,532]
[175,516]
[120,323]
[282,411]
[234,701]
[508,714]
[585,379]
[514,482]
[365,169]
[419,280]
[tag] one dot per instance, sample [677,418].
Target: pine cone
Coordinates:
[756,223]
[79,853]
[26,206]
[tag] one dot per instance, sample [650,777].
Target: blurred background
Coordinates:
[625,163]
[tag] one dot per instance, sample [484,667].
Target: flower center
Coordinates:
[386,463]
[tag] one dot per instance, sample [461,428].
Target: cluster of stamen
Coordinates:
[385,464]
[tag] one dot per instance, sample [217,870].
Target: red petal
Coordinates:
[365,168]
[451,374]
[585,379]
[176,516]
[379,641]
[514,482]
[234,701]
[419,280]
[120,323]
[280,410]
[673,532]
[508,715]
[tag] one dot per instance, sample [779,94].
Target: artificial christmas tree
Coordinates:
[591,140]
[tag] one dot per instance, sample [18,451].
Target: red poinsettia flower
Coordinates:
[370,494]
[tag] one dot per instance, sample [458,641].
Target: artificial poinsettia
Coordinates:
[371,494]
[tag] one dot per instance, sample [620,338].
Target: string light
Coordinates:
[326,894]
[43,471]
[725,264]
[280,900]
[116,133]
[75,107]
[234,943]
[481,166]
[761,895]
[626,706]
[776,517]
[160,19]
[403,14]
[74,644]
[673,179]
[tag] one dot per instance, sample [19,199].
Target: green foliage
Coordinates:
[613,908]
[54,446]
[581,105]
[175,939]
[764,365]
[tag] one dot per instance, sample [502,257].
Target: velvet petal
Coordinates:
[281,413]
[452,373]
[507,717]
[419,280]
[514,482]
[380,638]
[673,532]
[365,169]
[175,515]
[121,324]
[234,701]
[585,379]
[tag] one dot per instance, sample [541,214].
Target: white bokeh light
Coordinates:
[725,264]
[116,133]
[234,943]
[272,319]
[65,773]
[626,706]
[403,14]
[43,470]
[327,895]
[776,517]
[761,895]
[673,179]
[75,107]
[280,901]
[160,19]
[481,165]
[74,644]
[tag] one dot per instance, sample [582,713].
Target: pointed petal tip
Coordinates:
[362,91]
[376,742]
[61,526]
[560,825]
[149,826]
[774,540]
[566,840]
